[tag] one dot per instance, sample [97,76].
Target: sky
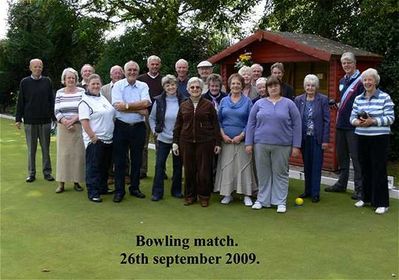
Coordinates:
[3,18]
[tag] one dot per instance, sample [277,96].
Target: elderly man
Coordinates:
[350,86]
[277,70]
[205,68]
[116,74]
[85,72]
[257,71]
[131,99]
[35,108]
[181,68]
[154,81]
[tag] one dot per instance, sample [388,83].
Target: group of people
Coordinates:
[238,142]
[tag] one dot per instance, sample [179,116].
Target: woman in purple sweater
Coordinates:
[273,134]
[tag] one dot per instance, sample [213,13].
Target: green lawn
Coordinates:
[64,236]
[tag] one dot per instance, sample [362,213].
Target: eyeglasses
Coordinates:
[195,87]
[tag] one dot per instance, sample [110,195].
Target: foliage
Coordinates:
[360,23]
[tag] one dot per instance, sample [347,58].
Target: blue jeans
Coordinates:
[97,164]
[132,138]
[163,150]
[312,154]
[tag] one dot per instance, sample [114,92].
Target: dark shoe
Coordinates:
[96,199]
[155,198]
[77,187]
[117,198]
[60,188]
[179,195]
[356,196]
[137,194]
[30,179]
[48,177]
[335,189]
[315,199]
[303,195]
[189,201]
[143,176]
[165,176]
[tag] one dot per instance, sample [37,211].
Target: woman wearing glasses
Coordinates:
[196,137]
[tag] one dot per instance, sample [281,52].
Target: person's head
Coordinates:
[370,79]
[195,86]
[257,71]
[236,83]
[348,62]
[132,70]
[214,82]
[153,65]
[86,71]
[169,84]
[311,84]
[116,73]
[36,67]
[69,77]
[246,73]
[273,86]
[181,68]
[205,68]
[94,84]
[277,70]
[261,86]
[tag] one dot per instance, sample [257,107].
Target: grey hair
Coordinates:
[261,80]
[277,65]
[245,69]
[373,73]
[168,79]
[153,57]
[253,66]
[71,70]
[348,56]
[195,80]
[311,79]
[134,63]
[181,60]
[92,68]
[115,67]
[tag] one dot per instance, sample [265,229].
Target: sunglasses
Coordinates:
[195,87]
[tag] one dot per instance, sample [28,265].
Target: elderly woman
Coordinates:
[70,148]
[196,137]
[273,134]
[260,88]
[372,115]
[97,117]
[248,89]
[234,169]
[214,93]
[315,114]
[162,121]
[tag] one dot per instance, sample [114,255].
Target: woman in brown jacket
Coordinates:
[196,138]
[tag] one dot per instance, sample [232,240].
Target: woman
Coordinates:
[70,148]
[234,169]
[315,112]
[248,90]
[214,93]
[273,134]
[97,117]
[162,121]
[260,88]
[197,137]
[372,115]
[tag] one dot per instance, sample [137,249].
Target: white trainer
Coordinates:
[247,201]
[257,205]
[381,210]
[359,204]
[281,209]
[227,199]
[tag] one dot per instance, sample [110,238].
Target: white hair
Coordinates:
[114,68]
[71,70]
[134,63]
[253,66]
[153,57]
[168,79]
[181,60]
[261,80]
[311,79]
[348,56]
[195,80]
[373,73]
[245,69]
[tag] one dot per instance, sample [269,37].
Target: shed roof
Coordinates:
[310,44]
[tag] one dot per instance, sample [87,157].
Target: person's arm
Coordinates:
[86,127]
[153,117]
[20,107]
[326,123]
[296,128]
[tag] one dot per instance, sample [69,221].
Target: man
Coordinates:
[131,99]
[85,72]
[257,71]
[116,74]
[277,70]
[205,68]
[181,68]
[350,86]
[154,81]
[35,107]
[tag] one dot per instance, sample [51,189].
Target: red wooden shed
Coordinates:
[301,54]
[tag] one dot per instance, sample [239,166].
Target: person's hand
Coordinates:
[249,149]
[295,152]
[237,139]
[120,106]
[143,112]
[175,149]
[18,125]
[366,122]
[217,150]
[94,139]
[324,146]
[227,139]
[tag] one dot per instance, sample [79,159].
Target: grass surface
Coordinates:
[64,236]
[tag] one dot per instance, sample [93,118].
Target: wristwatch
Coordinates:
[127,106]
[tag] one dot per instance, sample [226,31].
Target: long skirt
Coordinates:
[70,154]
[235,171]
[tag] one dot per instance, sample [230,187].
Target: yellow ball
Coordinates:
[299,201]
